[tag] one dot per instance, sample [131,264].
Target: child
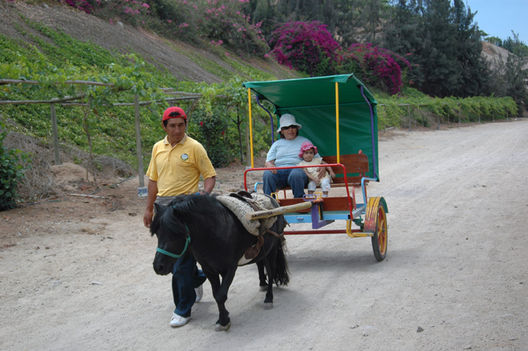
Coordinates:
[307,153]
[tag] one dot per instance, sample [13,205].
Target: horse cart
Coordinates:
[338,114]
[329,106]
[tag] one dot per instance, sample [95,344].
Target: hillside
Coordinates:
[497,56]
[179,59]
[115,130]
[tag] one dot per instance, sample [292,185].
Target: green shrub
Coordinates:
[11,172]
[210,130]
[424,110]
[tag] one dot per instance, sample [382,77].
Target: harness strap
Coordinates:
[275,234]
[253,251]
[173,255]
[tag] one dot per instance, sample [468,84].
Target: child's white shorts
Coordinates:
[325,184]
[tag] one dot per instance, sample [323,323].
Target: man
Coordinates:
[175,168]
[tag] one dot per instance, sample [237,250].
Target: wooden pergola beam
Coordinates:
[81,82]
[70,101]
[52,101]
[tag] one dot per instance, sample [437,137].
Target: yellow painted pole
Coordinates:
[250,128]
[337,118]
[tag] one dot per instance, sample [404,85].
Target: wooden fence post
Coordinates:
[141,175]
[409,118]
[55,134]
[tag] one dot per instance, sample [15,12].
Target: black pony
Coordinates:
[217,240]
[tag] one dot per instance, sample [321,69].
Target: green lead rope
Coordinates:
[173,255]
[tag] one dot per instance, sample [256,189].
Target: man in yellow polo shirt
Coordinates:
[175,168]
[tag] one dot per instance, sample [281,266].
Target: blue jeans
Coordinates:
[295,178]
[185,277]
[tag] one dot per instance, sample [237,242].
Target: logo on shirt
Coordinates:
[184,157]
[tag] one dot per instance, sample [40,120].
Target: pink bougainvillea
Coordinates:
[310,47]
[212,20]
[83,5]
[380,66]
[306,46]
[128,7]
[225,20]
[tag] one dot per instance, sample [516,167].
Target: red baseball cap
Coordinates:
[174,112]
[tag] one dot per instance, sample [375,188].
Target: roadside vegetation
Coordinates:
[393,65]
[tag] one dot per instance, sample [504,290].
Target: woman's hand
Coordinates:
[270,164]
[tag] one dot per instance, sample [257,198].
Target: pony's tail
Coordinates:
[281,267]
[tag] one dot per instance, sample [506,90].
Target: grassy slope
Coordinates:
[37,35]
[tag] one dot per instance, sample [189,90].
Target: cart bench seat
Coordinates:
[356,165]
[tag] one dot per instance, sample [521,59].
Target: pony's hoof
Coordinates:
[220,327]
[268,305]
[263,288]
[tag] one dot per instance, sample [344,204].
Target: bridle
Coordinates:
[173,255]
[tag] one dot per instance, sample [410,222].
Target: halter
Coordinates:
[173,255]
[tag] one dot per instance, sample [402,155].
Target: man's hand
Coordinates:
[147,217]
[151,198]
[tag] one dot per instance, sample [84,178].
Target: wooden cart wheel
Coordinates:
[376,222]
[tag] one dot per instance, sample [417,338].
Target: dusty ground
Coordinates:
[76,272]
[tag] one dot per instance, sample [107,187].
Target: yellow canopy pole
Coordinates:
[337,119]
[250,128]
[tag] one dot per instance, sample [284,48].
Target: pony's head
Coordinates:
[173,236]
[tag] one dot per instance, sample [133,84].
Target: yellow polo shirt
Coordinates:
[177,168]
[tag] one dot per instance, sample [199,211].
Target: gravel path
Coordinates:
[78,276]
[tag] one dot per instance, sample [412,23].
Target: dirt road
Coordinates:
[76,274]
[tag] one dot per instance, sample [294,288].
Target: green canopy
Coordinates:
[313,103]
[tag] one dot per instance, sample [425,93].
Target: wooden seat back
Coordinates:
[356,165]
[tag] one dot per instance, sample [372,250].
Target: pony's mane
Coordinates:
[154,226]
[182,208]
[193,204]
[163,215]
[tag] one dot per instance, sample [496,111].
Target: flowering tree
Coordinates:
[219,22]
[84,5]
[224,23]
[123,7]
[377,66]
[309,47]
[306,46]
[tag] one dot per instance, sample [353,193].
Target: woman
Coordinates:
[285,153]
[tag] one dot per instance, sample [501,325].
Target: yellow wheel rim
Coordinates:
[381,230]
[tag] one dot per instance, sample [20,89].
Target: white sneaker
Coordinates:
[199,293]
[178,321]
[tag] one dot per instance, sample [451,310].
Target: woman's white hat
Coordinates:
[287,120]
